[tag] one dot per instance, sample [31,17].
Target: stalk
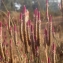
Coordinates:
[35,22]
[21,37]
[15,34]
[4,44]
[47,13]
[1,48]
[45,44]
[11,52]
[15,43]
[24,30]
[50,30]
[8,20]
[54,53]
[32,42]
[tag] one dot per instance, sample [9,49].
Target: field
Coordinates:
[37,41]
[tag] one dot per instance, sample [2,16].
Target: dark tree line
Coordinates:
[30,4]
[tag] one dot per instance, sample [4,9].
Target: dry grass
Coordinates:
[18,54]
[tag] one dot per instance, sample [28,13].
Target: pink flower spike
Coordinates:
[50,18]
[46,1]
[45,31]
[36,12]
[36,48]
[39,15]
[10,41]
[48,60]
[20,15]
[53,47]
[24,9]
[29,23]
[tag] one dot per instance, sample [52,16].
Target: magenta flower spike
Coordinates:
[46,1]
[37,48]
[48,60]
[45,32]
[24,9]
[20,15]
[10,41]
[53,47]
[36,12]
[38,15]
[29,23]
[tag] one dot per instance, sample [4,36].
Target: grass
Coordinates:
[16,53]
